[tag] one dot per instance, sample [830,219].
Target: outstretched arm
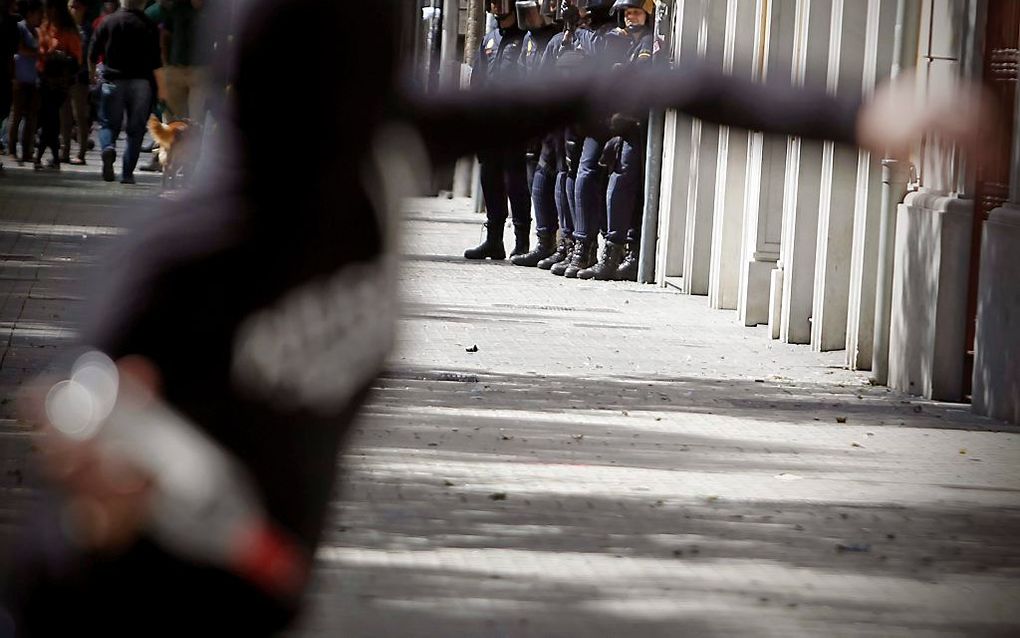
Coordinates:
[455,124]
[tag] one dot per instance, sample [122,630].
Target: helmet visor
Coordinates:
[501,8]
[530,15]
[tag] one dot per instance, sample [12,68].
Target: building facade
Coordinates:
[909,268]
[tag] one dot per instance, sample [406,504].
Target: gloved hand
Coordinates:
[611,154]
[624,125]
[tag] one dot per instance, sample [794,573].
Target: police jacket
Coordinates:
[499,57]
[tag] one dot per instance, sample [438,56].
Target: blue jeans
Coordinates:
[117,98]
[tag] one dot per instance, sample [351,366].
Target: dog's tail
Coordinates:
[163,134]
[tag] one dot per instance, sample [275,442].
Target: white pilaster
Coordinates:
[803,180]
[763,203]
[676,153]
[839,186]
[703,164]
[742,17]
[864,254]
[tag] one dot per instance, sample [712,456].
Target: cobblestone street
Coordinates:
[613,460]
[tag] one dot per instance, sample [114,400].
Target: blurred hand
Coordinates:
[898,117]
[107,496]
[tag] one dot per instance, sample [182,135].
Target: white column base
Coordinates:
[758,274]
[776,303]
[997,349]
[930,278]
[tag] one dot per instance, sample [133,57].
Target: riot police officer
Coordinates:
[590,184]
[503,171]
[538,17]
[564,54]
[624,154]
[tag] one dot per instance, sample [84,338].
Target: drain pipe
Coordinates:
[895,177]
[653,183]
[653,157]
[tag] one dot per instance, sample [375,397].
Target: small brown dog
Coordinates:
[179,144]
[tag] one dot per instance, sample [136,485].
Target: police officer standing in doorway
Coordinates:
[538,17]
[503,171]
[624,154]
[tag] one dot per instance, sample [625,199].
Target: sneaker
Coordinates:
[153,166]
[109,157]
[127,179]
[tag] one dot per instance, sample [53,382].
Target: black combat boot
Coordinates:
[492,248]
[522,243]
[605,269]
[563,250]
[628,270]
[546,247]
[560,268]
[584,257]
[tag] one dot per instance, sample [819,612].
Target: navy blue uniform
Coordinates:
[626,154]
[563,56]
[590,187]
[503,172]
[542,169]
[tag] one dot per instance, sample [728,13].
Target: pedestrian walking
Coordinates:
[128,43]
[9,37]
[75,116]
[25,109]
[60,58]
[186,67]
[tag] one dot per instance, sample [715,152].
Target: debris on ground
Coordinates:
[853,547]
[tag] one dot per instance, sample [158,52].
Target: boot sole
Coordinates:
[549,266]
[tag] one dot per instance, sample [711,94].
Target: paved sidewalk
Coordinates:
[614,460]
[54,229]
[619,460]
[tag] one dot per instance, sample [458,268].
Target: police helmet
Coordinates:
[648,6]
[501,9]
[551,9]
[531,15]
[597,9]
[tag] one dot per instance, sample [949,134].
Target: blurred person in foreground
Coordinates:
[261,307]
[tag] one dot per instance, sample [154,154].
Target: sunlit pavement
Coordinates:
[614,460]
[620,460]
